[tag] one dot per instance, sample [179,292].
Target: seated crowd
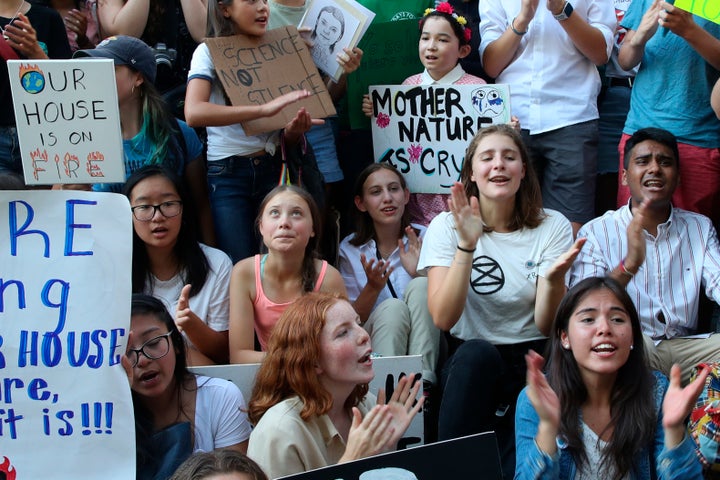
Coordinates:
[573,336]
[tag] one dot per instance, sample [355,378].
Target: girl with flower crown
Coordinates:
[444,40]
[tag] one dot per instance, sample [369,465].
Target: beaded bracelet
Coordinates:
[624,269]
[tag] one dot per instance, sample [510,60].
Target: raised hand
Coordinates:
[409,256]
[76,21]
[275,105]
[183,314]
[468,221]
[377,272]
[648,24]
[368,435]
[556,272]
[22,37]
[636,238]
[349,59]
[675,19]
[402,406]
[678,404]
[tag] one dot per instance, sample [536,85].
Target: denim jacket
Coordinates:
[652,462]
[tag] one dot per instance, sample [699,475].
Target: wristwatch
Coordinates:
[565,13]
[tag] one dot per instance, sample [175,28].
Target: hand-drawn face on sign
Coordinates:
[487,277]
[488,102]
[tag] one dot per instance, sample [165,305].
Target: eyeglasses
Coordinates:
[145,213]
[153,349]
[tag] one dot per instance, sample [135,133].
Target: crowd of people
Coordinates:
[537,314]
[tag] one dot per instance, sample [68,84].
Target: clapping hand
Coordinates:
[678,404]
[468,221]
[409,256]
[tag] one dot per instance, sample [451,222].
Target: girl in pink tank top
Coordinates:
[263,286]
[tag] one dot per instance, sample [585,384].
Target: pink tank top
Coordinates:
[268,312]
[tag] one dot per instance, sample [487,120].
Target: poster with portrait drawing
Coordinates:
[334,25]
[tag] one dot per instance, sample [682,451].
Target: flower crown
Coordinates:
[445,7]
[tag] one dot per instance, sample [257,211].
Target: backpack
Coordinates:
[704,423]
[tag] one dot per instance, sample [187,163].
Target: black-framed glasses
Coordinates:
[153,349]
[145,213]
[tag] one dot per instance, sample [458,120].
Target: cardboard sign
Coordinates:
[65,405]
[425,130]
[707,9]
[256,70]
[474,456]
[68,120]
[387,372]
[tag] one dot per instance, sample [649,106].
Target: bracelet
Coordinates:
[624,269]
[466,250]
[515,31]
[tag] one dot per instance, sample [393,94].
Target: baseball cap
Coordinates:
[125,50]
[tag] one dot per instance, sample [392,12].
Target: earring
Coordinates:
[132,90]
[566,346]
[632,346]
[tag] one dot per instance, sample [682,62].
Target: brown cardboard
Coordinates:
[255,70]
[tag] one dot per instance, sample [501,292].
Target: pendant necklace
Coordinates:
[17,12]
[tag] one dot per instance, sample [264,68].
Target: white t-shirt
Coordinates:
[212,302]
[228,140]
[353,272]
[220,418]
[500,304]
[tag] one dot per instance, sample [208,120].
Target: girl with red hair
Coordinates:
[310,404]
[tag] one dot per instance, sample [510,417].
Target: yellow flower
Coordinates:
[427,12]
[461,21]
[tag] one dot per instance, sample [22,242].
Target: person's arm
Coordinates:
[195,13]
[635,256]
[588,39]
[448,286]
[120,17]
[536,425]
[551,287]
[682,24]
[195,177]
[633,46]
[715,98]
[22,37]
[333,282]
[242,315]
[500,53]
[209,342]
[377,273]
[200,112]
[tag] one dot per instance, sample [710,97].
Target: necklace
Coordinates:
[17,12]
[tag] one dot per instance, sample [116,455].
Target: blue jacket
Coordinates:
[652,462]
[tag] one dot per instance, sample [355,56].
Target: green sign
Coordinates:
[707,9]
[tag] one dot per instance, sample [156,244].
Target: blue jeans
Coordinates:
[481,382]
[237,187]
[613,108]
[10,161]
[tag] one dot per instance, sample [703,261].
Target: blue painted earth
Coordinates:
[33,82]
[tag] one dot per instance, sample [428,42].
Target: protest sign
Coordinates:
[334,25]
[68,120]
[707,9]
[65,405]
[474,456]
[256,70]
[387,373]
[424,130]
[390,56]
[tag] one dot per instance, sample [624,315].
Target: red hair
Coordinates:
[293,354]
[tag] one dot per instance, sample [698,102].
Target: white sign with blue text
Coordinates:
[65,405]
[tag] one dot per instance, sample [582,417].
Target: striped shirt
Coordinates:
[682,259]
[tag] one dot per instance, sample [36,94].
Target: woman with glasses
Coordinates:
[176,413]
[191,278]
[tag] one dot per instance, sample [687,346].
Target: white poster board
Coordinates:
[65,405]
[425,130]
[68,121]
[387,371]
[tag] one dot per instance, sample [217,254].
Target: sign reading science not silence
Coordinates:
[68,121]
[425,130]
[256,70]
